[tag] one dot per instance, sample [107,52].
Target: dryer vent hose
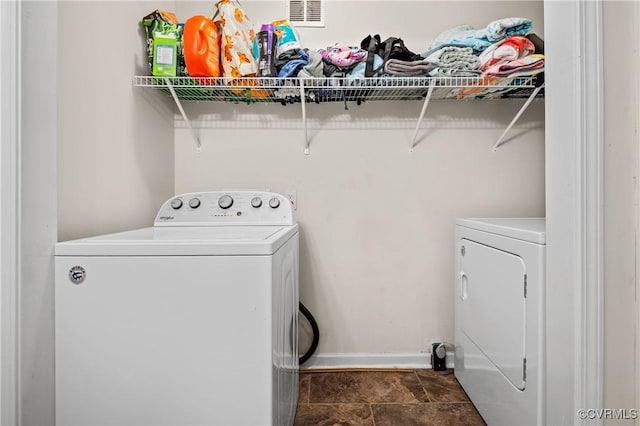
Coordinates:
[316,334]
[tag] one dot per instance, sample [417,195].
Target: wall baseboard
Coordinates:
[372,360]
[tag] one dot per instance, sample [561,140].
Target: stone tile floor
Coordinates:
[383,398]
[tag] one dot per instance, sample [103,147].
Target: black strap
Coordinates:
[384,49]
[392,47]
[388,46]
[371,44]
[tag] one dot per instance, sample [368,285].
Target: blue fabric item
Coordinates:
[479,40]
[503,28]
[464,35]
[314,68]
[435,49]
[454,61]
[358,71]
[293,67]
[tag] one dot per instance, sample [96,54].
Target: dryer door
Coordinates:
[492,286]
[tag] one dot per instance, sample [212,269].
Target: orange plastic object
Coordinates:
[201,44]
[251,92]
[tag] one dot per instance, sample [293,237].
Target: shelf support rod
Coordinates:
[522,110]
[304,117]
[184,115]
[424,109]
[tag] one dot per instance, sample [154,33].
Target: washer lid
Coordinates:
[183,241]
[530,229]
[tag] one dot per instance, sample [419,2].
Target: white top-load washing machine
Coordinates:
[190,322]
[499,317]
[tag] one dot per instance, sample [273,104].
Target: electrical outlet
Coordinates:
[292,196]
[438,357]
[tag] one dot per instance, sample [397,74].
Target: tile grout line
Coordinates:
[373,419]
[424,389]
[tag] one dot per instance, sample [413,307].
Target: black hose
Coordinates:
[316,334]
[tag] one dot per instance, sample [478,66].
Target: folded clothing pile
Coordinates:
[503,48]
[505,61]
[401,68]
[478,40]
[452,61]
[289,63]
[502,28]
[515,56]
[523,67]
[509,49]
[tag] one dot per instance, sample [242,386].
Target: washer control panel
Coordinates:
[225,208]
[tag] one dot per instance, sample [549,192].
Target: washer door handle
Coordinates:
[464,286]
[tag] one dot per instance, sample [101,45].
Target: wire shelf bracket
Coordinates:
[304,118]
[522,110]
[424,109]
[194,135]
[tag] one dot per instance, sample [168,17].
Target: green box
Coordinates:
[164,55]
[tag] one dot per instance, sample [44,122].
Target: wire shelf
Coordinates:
[329,89]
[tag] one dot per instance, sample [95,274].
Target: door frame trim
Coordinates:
[10,119]
[574,147]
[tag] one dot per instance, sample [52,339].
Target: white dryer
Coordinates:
[499,317]
[193,321]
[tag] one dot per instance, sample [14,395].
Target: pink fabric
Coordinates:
[343,56]
[509,49]
[528,65]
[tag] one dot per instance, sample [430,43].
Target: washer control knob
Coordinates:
[225,201]
[176,203]
[194,203]
[256,202]
[274,203]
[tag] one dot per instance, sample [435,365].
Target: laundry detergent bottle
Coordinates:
[267,44]
[201,44]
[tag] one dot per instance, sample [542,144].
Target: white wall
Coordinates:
[376,222]
[620,210]
[115,151]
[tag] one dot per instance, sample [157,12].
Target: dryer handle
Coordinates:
[464,286]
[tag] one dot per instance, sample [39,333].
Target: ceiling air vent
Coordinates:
[306,13]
